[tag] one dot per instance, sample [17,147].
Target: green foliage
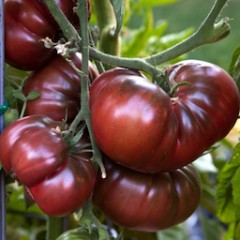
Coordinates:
[177,232]
[118,7]
[234,68]
[152,3]
[78,233]
[228,193]
[150,38]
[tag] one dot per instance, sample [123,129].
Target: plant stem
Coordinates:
[108,42]
[68,30]
[54,228]
[84,111]
[208,32]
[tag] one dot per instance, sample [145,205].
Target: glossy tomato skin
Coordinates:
[27,23]
[59,87]
[129,118]
[66,190]
[147,202]
[141,127]
[14,131]
[41,158]
[57,178]
[206,109]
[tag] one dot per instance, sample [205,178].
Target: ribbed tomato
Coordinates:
[147,202]
[59,178]
[59,87]
[137,124]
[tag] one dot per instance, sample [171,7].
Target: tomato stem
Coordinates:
[54,227]
[82,12]
[87,218]
[68,30]
[109,42]
[208,32]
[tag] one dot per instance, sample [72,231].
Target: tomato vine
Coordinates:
[186,110]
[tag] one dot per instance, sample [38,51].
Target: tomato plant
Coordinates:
[49,169]
[27,23]
[147,202]
[140,122]
[59,87]
[148,130]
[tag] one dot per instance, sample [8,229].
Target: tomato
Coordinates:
[147,202]
[15,130]
[57,177]
[27,23]
[137,124]
[59,87]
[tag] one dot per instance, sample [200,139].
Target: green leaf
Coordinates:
[229,235]
[139,38]
[234,59]
[118,6]
[234,68]
[153,3]
[212,228]
[176,232]
[33,95]
[236,189]
[19,95]
[78,233]
[227,190]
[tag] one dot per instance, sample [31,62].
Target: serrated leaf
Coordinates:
[118,6]
[33,95]
[227,210]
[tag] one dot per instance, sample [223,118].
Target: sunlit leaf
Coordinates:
[153,3]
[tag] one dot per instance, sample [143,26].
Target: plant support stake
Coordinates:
[3,108]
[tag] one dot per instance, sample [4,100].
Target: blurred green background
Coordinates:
[190,13]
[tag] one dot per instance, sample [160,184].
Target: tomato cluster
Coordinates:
[27,24]
[56,175]
[33,150]
[148,137]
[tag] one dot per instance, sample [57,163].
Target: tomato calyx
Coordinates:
[174,88]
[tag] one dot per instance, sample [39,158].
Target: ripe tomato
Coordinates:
[27,23]
[14,132]
[140,126]
[59,179]
[59,87]
[147,202]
